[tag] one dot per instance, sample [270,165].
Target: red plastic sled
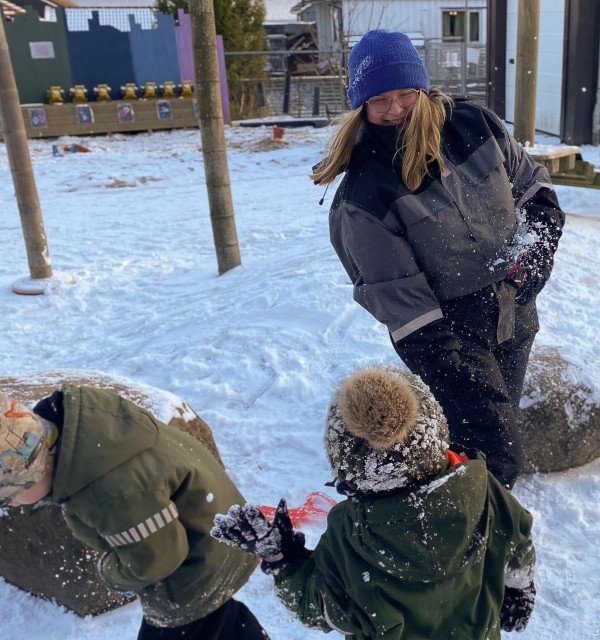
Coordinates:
[309,510]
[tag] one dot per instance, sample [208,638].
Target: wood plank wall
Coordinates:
[54,120]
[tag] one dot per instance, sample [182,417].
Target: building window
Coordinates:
[453,26]
[474,35]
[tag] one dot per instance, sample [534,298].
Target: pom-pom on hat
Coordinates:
[385,430]
[378,407]
[384,61]
[23,452]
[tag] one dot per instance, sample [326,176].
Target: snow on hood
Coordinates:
[426,533]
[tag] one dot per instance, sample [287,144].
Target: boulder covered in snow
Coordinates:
[38,553]
[560,425]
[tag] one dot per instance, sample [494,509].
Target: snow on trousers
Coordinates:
[483,413]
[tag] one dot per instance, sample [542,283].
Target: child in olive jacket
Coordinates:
[141,492]
[429,545]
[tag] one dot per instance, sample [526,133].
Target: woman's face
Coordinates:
[392,107]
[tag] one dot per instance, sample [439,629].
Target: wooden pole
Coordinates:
[528,31]
[17,148]
[212,132]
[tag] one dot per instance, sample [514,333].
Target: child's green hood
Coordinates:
[123,431]
[386,532]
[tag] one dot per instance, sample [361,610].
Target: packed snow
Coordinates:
[257,352]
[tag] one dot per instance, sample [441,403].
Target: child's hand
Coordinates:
[246,527]
[516,608]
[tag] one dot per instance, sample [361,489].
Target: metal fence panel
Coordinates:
[459,68]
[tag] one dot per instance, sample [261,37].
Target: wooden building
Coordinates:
[568,90]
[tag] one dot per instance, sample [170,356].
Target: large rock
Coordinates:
[38,553]
[560,425]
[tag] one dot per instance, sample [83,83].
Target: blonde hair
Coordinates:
[421,135]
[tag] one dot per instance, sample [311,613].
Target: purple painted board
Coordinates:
[223,80]
[185,53]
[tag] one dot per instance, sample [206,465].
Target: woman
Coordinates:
[447,229]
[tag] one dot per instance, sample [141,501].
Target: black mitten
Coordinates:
[516,608]
[277,544]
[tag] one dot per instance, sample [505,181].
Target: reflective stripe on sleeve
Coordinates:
[143,529]
[417,323]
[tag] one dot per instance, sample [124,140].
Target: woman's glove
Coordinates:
[534,268]
[516,608]
[277,544]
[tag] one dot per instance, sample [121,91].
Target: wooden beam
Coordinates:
[528,30]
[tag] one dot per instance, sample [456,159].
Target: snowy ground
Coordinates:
[258,351]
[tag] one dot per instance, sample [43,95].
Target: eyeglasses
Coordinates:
[381,104]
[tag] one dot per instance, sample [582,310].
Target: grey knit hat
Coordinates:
[385,430]
[23,452]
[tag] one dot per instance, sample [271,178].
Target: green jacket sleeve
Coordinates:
[314,591]
[146,542]
[297,588]
[520,563]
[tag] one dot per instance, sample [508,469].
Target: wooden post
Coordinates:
[528,31]
[496,58]
[286,92]
[212,132]
[316,101]
[15,138]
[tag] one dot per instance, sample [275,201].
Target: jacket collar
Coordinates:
[372,140]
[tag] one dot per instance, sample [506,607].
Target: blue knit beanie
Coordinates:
[383,61]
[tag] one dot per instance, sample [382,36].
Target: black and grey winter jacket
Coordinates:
[461,231]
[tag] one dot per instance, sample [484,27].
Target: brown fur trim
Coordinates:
[378,407]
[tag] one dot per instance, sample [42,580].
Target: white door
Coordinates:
[550,64]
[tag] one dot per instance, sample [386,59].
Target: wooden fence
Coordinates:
[53,120]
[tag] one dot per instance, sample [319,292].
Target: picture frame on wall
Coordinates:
[84,114]
[163,110]
[125,112]
[37,118]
